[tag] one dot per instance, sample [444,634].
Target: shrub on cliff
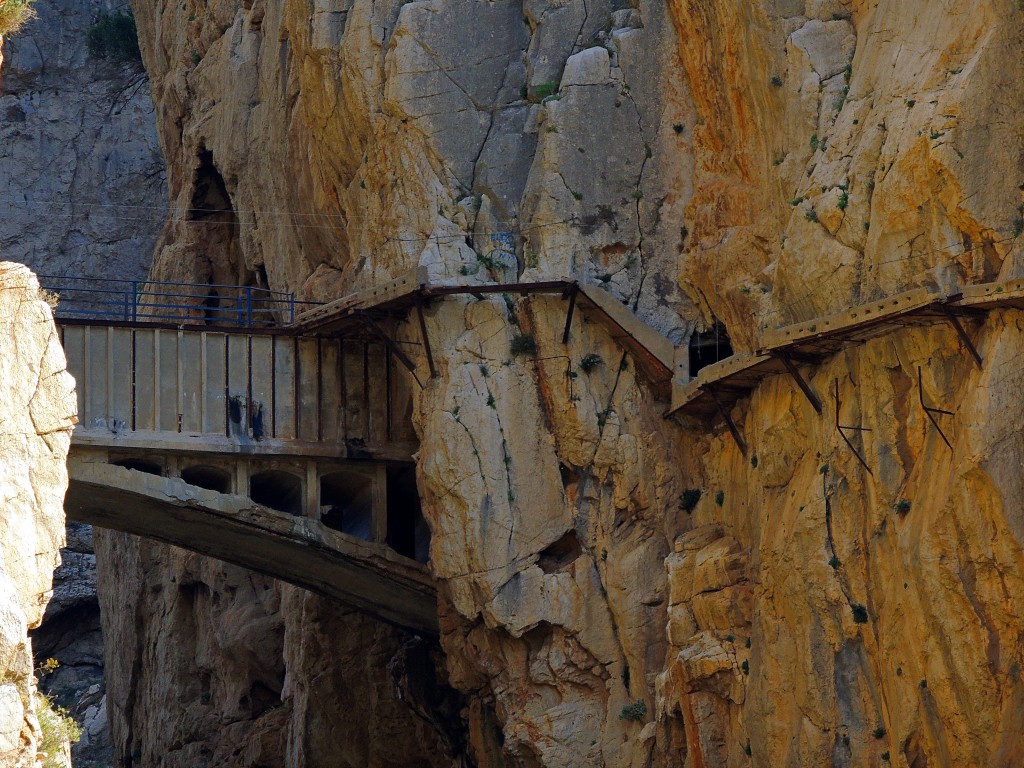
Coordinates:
[113,36]
[58,730]
[14,14]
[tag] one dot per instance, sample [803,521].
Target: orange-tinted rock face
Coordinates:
[751,163]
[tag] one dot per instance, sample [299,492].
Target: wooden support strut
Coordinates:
[929,411]
[962,333]
[398,352]
[568,316]
[740,443]
[842,434]
[794,372]
[424,336]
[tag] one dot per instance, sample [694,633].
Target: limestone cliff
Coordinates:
[37,414]
[747,163]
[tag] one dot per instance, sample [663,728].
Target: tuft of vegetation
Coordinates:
[811,215]
[688,499]
[834,562]
[590,362]
[924,683]
[720,498]
[796,200]
[542,91]
[747,750]
[15,14]
[636,711]
[879,732]
[491,403]
[860,613]
[885,756]
[902,507]
[753,461]
[113,36]
[678,127]
[745,666]
[844,200]
[523,344]
[910,103]
[58,727]
[815,142]
[776,81]
[1018,227]
[52,298]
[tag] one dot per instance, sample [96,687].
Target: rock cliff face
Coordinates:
[37,414]
[742,163]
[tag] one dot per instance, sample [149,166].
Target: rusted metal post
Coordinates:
[842,434]
[390,344]
[929,411]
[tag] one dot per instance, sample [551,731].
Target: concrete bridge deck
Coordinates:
[368,576]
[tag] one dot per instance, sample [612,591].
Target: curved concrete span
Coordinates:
[368,576]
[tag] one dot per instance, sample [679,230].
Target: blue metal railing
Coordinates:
[148,301]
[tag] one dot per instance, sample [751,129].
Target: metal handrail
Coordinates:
[158,301]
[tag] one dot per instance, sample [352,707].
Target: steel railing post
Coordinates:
[291,300]
[135,301]
[248,306]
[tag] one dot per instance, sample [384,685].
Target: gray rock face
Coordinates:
[81,173]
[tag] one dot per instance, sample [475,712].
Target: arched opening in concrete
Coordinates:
[408,533]
[346,503]
[140,465]
[708,347]
[210,478]
[278,490]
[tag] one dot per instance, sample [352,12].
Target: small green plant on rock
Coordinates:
[14,14]
[860,613]
[113,36]
[523,344]
[720,498]
[57,727]
[636,711]
[811,215]
[590,362]
[688,499]
[879,732]
[776,81]
[902,507]
[542,91]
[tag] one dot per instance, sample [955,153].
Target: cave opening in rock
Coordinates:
[278,490]
[560,554]
[210,478]
[346,503]
[408,533]
[140,465]
[709,347]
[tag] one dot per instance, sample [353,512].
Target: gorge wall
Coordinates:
[748,163]
[37,414]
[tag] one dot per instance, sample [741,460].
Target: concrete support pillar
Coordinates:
[241,481]
[379,532]
[311,498]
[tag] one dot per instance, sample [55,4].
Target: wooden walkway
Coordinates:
[412,292]
[717,387]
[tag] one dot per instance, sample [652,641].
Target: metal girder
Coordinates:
[733,429]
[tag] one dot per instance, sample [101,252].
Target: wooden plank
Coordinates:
[400,413]
[740,373]
[263,407]
[308,381]
[120,392]
[145,380]
[330,391]
[96,416]
[378,392]
[356,414]
[399,291]
[192,396]
[285,389]
[74,351]
[238,385]
[215,383]
[853,319]
[167,380]
[1006,293]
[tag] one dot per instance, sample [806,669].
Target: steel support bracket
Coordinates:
[801,382]
[733,429]
[962,333]
[841,427]
[423,334]
[377,331]
[572,308]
